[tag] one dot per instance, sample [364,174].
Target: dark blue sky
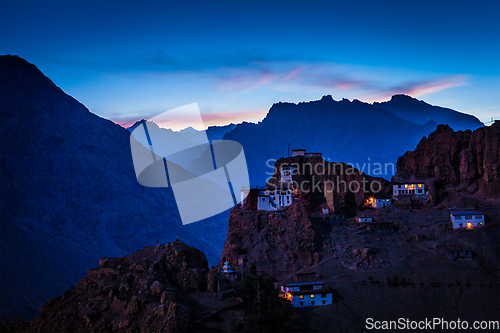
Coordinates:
[127,60]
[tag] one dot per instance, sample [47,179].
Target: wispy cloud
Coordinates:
[294,76]
[421,87]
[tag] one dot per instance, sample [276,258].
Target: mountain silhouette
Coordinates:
[420,112]
[343,131]
[69,193]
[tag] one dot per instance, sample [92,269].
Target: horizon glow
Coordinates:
[127,61]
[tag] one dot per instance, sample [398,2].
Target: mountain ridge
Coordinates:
[69,194]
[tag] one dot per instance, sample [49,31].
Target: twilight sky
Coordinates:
[128,60]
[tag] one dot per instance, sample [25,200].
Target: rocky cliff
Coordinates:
[146,291]
[279,243]
[466,161]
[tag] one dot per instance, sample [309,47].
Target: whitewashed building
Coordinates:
[381,202]
[413,189]
[302,152]
[287,172]
[298,152]
[467,219]
[304,294]
[274,200]
[363,219]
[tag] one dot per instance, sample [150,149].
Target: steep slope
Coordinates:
[419,112]
[280,243]
[344,131]
[464,160]
[146,291]
[69,193]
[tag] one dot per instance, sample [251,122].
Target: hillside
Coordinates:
[69,194]
[458,163]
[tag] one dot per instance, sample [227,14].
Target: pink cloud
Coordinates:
[224,118]
[417,88]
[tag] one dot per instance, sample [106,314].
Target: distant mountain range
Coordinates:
[343,131]
[68,189]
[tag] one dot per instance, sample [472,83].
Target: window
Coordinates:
[478,217]
[312,295]
[458,217]
[312,303]
[323,295]
[419,185]
[301,297]
[301,303]
[468,217]
[323,301]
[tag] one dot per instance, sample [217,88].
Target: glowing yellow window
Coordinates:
[301,296]
[469,225]
[419,185]
[312,295]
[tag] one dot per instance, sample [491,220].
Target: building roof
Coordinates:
[296,284]
[404,183]
[309,292]
[466,212]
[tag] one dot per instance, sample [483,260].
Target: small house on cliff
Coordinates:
[305,291]
[381,202]
[409,189]
[266,199]
[467,219]
[302,152]
[302,294]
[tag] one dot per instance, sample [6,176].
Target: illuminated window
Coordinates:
[312,295]
[419,185]
[301,296]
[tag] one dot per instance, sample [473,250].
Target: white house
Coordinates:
[274,200]
[298,152]
[302,152]
[287,172]
[467,219]
[414,189]
[363,219]
[304,294]
[381,202]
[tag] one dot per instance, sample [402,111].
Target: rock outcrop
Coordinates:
[146,291]
[279,243]
[464,160]
[338,186]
